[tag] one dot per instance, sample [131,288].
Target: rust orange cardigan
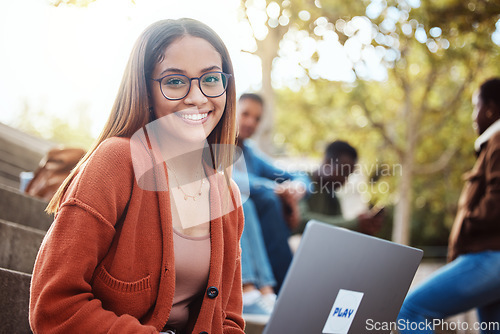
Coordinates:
[106,264]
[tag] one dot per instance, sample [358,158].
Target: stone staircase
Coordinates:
[14,301]
[23,224]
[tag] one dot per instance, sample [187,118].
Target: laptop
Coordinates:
[342,282]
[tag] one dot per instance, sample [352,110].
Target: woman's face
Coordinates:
[194,117]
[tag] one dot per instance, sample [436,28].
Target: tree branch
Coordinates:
[450,106]
[437,165]
[431,80]
[381,129]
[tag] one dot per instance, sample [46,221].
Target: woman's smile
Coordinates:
[195,118]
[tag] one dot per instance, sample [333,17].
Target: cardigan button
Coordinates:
[203,332]
[212,292]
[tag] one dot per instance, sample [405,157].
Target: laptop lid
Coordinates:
[342,282]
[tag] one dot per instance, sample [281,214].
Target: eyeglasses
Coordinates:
[177,86]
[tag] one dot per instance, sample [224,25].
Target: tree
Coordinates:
[432,96]
[428,57]
[270,21]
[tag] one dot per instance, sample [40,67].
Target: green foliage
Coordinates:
[75,133]
[422,107]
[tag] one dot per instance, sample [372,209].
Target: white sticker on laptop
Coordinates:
[343,311]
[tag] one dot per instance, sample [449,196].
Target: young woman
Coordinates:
[147,227]
[471,279]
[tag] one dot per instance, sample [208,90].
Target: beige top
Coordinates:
[192,264]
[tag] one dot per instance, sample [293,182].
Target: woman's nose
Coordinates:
[195,96]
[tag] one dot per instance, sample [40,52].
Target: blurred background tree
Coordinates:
[73,133]
[401,91]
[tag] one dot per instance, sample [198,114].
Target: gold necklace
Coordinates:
[186,196]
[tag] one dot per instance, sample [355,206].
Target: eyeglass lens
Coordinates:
[176,86]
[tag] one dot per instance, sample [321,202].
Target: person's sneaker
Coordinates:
[257,312]
[269,299]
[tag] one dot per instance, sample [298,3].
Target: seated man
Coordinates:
[271,191]
[322,204]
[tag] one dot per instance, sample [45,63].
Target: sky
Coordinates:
[61,59]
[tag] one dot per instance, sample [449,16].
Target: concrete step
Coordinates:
[254,328]
[22,209]
[14,302]
[19,152]
[18,246]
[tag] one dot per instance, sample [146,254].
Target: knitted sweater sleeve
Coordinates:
[61,299]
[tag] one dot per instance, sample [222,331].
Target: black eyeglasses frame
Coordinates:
[159,80]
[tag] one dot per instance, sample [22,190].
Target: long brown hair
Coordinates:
[130,109]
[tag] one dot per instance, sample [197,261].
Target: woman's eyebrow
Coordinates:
[173,70]
[178,70]
[211,68]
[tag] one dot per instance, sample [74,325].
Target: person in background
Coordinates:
[472,278]
[323,205]
[273,194]
[142,241]
[256,271]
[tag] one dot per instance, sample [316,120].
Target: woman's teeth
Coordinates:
[194,117]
